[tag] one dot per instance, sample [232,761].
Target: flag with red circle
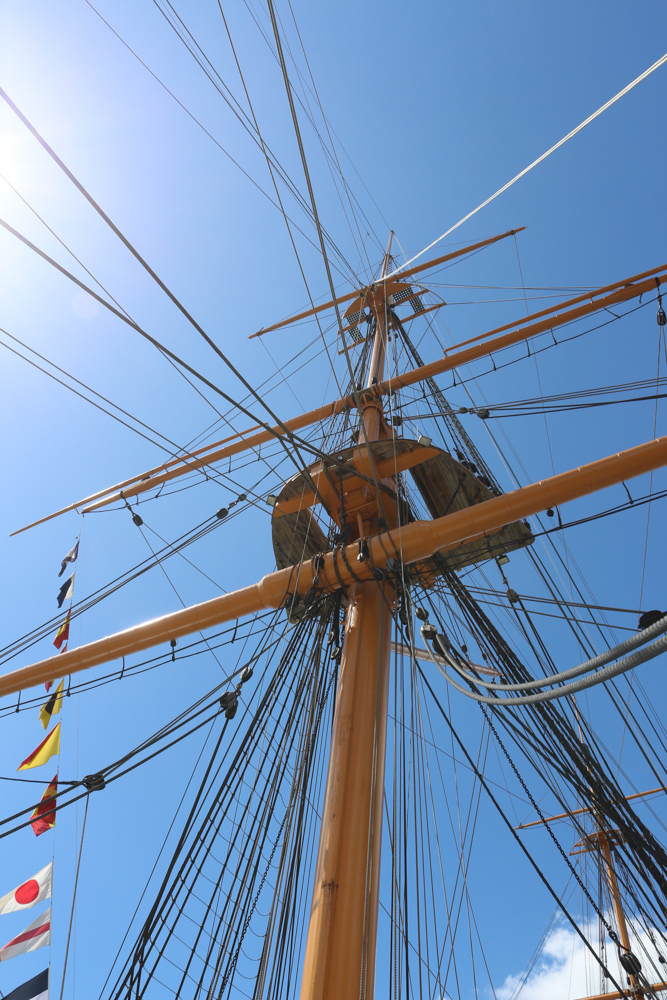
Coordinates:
[29,893]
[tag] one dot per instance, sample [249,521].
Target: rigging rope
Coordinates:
[518,840]
[587,121]
[641,656]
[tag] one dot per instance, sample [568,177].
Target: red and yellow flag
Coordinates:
[62,635]
[44,816]
[52,706]
[49,746]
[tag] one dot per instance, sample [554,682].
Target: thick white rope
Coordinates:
[599,677]
[646,635]
[574,131]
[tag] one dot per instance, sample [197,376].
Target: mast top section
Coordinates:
[387,257]
[385,267]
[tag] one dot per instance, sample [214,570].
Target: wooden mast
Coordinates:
[621,922]
[602,840]
[604,843]
[340,953]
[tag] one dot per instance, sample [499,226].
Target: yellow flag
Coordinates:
[49,746]
[52,706]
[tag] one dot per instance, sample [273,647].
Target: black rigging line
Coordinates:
[275,185]
[557,600]
[520,843]
[203,127]
[538,411]
[329,150]
[106,291]
[652,383]
[547,614]
[265,36]
[297,440]
[135,253]
[547,347]
[250,127]
[313,89]
[306,171]
[173,585]
[576,406]
[320,231]
[330,154]
[108,778]
[185,559]
[639,502]
[180,452]
[143,666]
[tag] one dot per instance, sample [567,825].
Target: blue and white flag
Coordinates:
[35,989]
[66,591]
[69,558]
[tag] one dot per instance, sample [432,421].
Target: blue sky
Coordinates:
[435,107]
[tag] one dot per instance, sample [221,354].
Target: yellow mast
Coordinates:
[342,933]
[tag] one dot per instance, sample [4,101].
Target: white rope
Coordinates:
[574,131]
[652,632]
[599,677]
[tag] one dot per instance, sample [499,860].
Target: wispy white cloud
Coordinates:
[566,970]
